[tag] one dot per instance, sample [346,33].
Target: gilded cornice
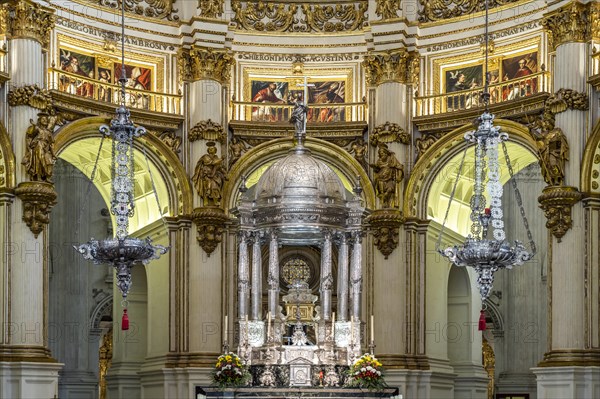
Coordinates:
[436,10]
[268,16]
[571,23]
[27,20]
[200,63]
[393,66]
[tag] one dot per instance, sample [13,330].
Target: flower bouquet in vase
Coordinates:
[366,372]
[230,371]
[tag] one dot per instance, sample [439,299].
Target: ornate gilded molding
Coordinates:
[38,199]
[210,224]
[435,10]
[389,133]
[423,143]
[26,19]
[207,130]
[557,201]
[146,8]
[570,23]
[31,95]
[204,63]
[565,99]
[387,9]
[393,66]
[385,224]
[268,16]
[211,8]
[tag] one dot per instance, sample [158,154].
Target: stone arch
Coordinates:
[171,171]
[275,149]
[103,308]
[7,160]
[590,165]
[433,160]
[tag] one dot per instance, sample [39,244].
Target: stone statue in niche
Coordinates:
[389,172]
[39,156]
[209,176]
[553,150]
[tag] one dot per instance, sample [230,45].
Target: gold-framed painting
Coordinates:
[277,89]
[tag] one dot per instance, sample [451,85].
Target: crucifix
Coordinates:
[304,103]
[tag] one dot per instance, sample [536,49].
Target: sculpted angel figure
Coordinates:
[387,9]
[209,176]
[389,172]
[39,157]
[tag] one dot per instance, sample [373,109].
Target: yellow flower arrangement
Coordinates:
[230,371]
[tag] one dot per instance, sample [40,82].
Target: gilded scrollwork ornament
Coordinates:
[389,132]
[557,202]
[237,147]
[148,8]
[385,224]
[435,10]
[265,16]
[172,140]
[207,130]
[565,99]
[31,95]
[200,63]
[387,9]
[570,23]
[423,143]
[209,176]
[38,199]
[211,8]
[210,224]
[27,19]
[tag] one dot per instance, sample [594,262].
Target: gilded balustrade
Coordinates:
[281,112]
[501,92]
[97,90]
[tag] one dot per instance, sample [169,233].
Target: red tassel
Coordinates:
[482,321]
[125,321]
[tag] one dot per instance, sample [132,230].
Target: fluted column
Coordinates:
[243,275]
[356,276]
[342,282]
[326,275]
[256,278]
[273,279]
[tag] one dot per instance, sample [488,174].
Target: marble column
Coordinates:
[25,338]
[571,351]
[356,276]
[273,278]
[256,313]
[342,282]
[326,275]
[243,276]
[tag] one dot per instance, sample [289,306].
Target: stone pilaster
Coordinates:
[342,283]
[326,276]
[256,279]
[243,277]
[273,278]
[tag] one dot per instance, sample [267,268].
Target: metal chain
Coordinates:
[154,190]
[519,200]
[460,167]
[89,187]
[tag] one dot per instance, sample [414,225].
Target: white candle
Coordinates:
[225,332]
[372,330]
[247,328]
[333,325]
[352,330]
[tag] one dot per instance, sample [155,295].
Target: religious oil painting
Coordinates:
[327,92]
[138,78]
[518,68]
[460,79]
[271,92]
[77,64]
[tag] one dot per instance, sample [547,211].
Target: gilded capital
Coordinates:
[38,199]
[557,202]
[200,63]
[211,8]
[393,66]
[26,19]
[385,224]
[571,23]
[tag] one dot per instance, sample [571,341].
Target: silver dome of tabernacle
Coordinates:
[300,195]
